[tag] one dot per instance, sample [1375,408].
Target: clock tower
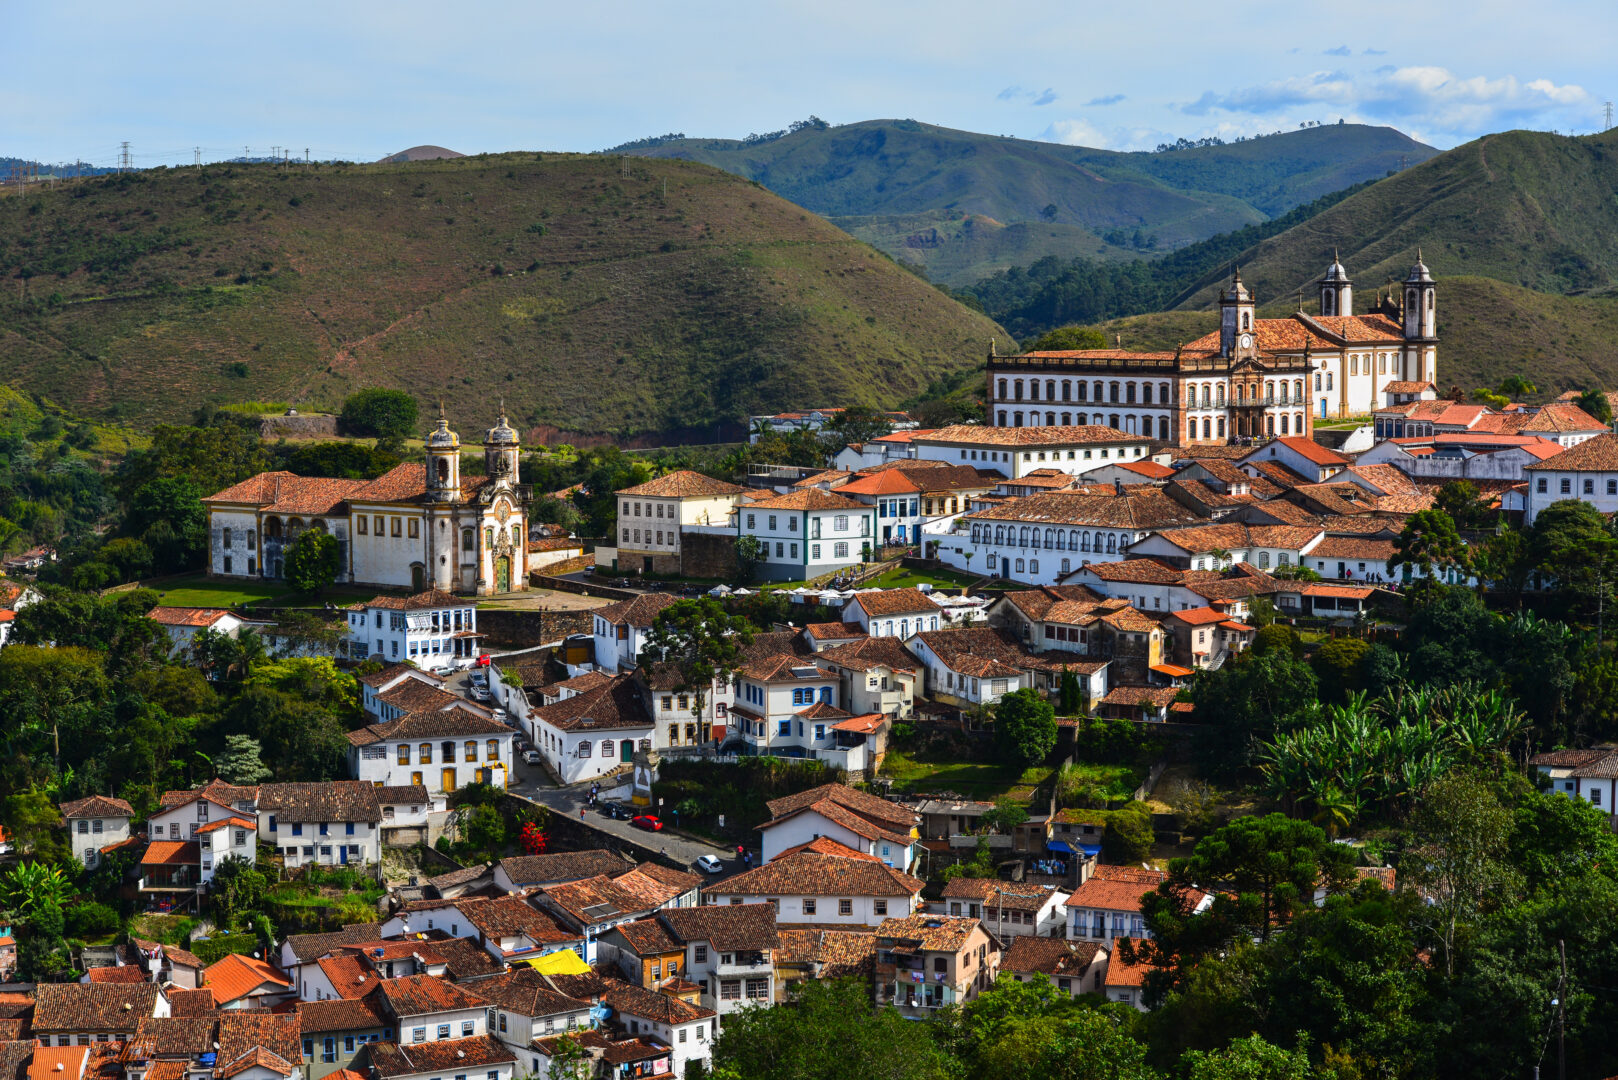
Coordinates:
[1235,317]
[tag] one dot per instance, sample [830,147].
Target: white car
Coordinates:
[531,757]
[710,864]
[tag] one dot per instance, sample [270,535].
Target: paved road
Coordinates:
[532,783]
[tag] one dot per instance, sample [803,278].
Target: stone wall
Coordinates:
[275,427]
[708,555]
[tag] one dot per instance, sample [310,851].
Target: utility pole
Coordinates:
[1561,1013]
[123,156]
[1607,108]
[306,155]
[196,156]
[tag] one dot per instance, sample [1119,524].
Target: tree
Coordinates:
[1573,545]
[855,424]
[1597,404]
[1248,1059]
[382,413]
[1007,814]
[238,888]
[167,513]
[1025,726]
[1430,545]
[1245,698]
[311,564]
[1461,832]
[240,761]
[209,459]
[568,1061]
[1504,562]
[1517,386]
[830,1032]
[32,886]
[1068,337]
[1338,665]
[115,626]
[749,553]
[1461,500]
[700,642]
[1128,837]
[1070,701]
[1274,637]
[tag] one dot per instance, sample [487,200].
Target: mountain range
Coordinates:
[963,205]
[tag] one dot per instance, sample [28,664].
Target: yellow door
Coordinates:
[449,780]
[416,779]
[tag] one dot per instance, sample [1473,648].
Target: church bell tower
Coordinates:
[443,462]
[1235,314]
[1336,290]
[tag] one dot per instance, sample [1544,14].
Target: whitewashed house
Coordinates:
[94,824]
[441,751]
[621,628]
[594,733]
[865,823]
[434,630]
[824,883]
[336,823]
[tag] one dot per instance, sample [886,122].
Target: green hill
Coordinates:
[595,296]
[1524,207]
[881,179]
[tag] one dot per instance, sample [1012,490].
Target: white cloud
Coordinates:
[1432,98]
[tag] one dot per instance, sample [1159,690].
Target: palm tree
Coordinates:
[1334,811]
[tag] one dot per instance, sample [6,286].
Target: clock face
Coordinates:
[1247,341]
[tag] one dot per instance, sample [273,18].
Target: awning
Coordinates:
[1060,846]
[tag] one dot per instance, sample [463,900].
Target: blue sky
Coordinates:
[359,79]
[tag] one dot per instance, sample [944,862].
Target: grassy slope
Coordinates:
[960,249]
[1487,330]
[896,169]
[1528,208]
[638,311]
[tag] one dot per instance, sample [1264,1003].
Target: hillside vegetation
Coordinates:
[1525,207]
[661,298]
[900,172]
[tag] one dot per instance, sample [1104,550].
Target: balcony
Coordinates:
[743,962]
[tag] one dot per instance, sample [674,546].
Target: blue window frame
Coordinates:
[348,827]
[297,830]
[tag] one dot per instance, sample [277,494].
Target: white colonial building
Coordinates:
[418,526]
[441,750]
[434,630]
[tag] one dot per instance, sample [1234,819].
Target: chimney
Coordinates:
[1117,487]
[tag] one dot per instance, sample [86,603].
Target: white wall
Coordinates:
[112,830]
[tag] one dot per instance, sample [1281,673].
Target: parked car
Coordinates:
[479,678]
[481,694]
[649,822]
[531,757]
[710,864]
[617,811]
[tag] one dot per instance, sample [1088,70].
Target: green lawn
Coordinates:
[198,590]
[909,579]
[977,780]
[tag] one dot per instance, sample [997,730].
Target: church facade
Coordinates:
[1251,379]
[419,526]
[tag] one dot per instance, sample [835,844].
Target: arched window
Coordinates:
[1002,418]
[1112,543]
[1084,418]
[488,537]
[469,540]
[999,534]
[1067,565]
[1207,428]
[1050,389]
[1163,428]
[1084,391]
[1067,390]
[1073,541]
[1221,427]
[1146,393]
[606,748]
[1219,395]
[1050,538]
[1019,566]
[1050,419]
[1002,388]
[1098,393]
[1084,541]
[1067,418]
[1016,419]
[1129,393]
[227,537]
[1113,390]
[1207,396]
[1247,320]
[1284,424]
[1061,541]
[1163,392]
[1264,560]
[1033,566]
[1017,390]
[443,470]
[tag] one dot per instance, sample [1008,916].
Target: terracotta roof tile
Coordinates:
[331,800]
[620,705]
[638,611]
[92,1007]
[531,870]
[1599,454]
[528,993]
[805,871]
[650,1005]
[728,928]
[884,602]
[406,1059]
[681,484]
[1055,957]
[808,499]
[931,933]
[420,995]
[1058,435]
[354,1014]
[1116,891]
[97,806]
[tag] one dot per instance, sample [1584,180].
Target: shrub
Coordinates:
[379,412]
[91,920]
[1129,834]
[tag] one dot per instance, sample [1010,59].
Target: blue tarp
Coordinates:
[1059,845]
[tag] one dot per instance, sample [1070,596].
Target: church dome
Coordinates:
[1336,272]
[441,437]
[1419,272]
[502,434]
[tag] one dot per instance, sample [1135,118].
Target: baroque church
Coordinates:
[1251,379]
[420,525]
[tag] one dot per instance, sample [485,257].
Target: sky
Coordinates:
[359,79]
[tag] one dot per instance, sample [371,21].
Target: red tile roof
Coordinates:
[235,976]
[682,484]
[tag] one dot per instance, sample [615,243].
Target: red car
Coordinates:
[648,822]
